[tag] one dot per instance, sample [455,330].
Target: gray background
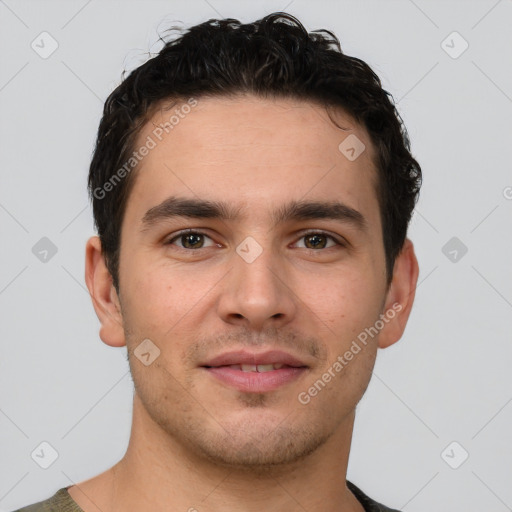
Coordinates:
[448,380]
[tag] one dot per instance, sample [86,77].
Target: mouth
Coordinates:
[255,372]
[261,368]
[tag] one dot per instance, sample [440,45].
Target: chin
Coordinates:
[255,446]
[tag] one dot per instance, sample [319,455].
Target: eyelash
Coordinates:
[303,235]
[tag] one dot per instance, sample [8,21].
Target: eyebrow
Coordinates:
[173,207]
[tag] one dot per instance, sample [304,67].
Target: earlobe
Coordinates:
[400,296]
[103,295]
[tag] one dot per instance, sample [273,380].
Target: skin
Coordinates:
[199,443]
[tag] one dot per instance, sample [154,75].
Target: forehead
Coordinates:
[286,122]
[248,150]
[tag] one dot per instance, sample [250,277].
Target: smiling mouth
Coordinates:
[255,378]
[261,368]
[254,372]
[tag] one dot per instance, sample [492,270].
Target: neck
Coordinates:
[157,472]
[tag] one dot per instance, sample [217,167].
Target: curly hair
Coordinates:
[272,57]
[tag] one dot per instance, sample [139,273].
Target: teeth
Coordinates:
[265,367]
[256,368]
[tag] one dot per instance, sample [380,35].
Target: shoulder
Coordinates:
[368,504]
[61,501]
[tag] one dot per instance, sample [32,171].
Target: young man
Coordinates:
[252,188]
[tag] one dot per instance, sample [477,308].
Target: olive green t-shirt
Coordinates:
[61,501]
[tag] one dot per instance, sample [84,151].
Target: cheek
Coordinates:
[162,298]
[148,299]
[346,302]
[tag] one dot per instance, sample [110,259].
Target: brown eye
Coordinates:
[190,240]
[319,240]
[193,241]
[315,241]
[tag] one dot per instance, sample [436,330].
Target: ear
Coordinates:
[103,294]
[400,295]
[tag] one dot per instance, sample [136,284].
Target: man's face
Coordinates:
[303,286]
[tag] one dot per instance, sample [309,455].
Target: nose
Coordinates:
[258,294]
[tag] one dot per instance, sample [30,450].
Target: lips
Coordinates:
[244,357]
[257,367]
[255,372]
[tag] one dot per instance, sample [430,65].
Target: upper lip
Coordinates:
[247,357]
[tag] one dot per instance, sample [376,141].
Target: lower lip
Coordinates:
[255,382]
